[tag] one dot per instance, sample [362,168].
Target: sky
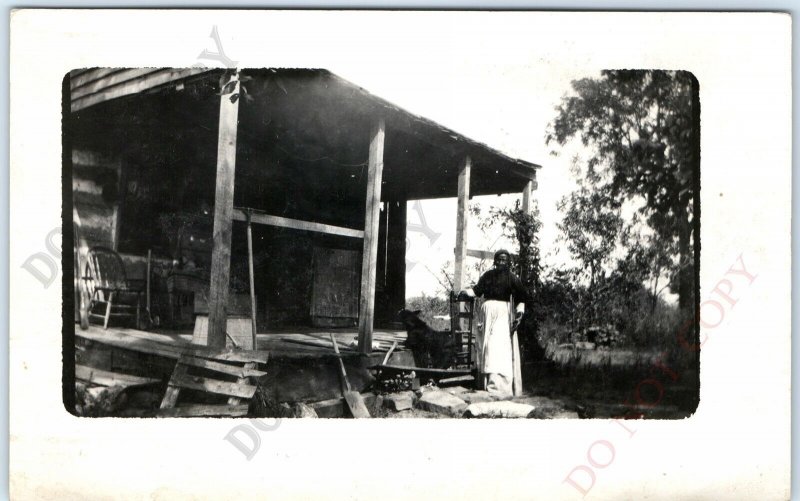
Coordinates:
[504,105]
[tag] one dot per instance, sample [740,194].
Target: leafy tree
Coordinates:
[640,127]
[648,259]
[523,229]
[591,228]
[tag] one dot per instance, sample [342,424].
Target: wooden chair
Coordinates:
[462,314]
[109,289]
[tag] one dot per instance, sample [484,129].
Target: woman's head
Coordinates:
[501,259]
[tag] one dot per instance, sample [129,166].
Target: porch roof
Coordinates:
[311,121]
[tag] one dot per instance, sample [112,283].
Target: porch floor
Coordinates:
[302,366]
[298,342]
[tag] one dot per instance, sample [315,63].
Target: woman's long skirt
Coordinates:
[497,351]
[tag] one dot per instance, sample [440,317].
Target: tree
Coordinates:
[641,126]
[523,229]
[648,259]
[591,228]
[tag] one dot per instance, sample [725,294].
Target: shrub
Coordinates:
[430,307]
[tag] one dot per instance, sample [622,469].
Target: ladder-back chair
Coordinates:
[462,314]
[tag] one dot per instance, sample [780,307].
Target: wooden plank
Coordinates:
[239,330]
[108,378]
[234,355]
[355,401]
[370,249]
[457,379]
[166,339]
[333,408]
[119,339]
[423,370]
[135,86]
[111,80]
[205,411]
[480,254]
[223,213]
[249,370]
[389,353]
[381,347]
[251,280]
[82,77]
[209,385]
[297,224]
[171,395]
[318,344]
[242,379]
[462,222]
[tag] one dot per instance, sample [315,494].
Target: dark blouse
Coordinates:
[500,285]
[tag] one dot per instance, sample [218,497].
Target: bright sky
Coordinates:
[506,106]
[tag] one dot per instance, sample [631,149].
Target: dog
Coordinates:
[431,349]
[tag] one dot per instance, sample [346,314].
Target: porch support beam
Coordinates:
[366,311]
[223,213]
[296,224]
[462,221]
[527,196]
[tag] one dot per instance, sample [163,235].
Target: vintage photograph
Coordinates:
[273,242]
[396,254]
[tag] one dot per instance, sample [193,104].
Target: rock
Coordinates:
[374,404]
[301,410]
[457,390]
[399,401]
[474,397]
[553,413]
[547,408]
[333,408]
[442,402]
[102,401]
[504,409]
[425,389]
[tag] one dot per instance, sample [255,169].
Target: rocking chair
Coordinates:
[109,289]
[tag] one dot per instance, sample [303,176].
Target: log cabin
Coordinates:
[182,162]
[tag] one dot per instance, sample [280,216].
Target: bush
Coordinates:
[430,307]
[657,329]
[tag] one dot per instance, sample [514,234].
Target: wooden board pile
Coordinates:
[228,374]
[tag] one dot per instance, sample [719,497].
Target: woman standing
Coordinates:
[497,348]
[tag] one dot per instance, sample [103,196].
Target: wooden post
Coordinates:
[527,207]
[527,197]
[462,220]
[366,311]
[252,279]
[223,214]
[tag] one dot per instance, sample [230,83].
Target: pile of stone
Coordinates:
[605,336]
[461,402]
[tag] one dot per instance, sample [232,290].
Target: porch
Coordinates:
[300,366]
[274,196]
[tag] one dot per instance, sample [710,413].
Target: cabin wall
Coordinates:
[95,192]
[390,286]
